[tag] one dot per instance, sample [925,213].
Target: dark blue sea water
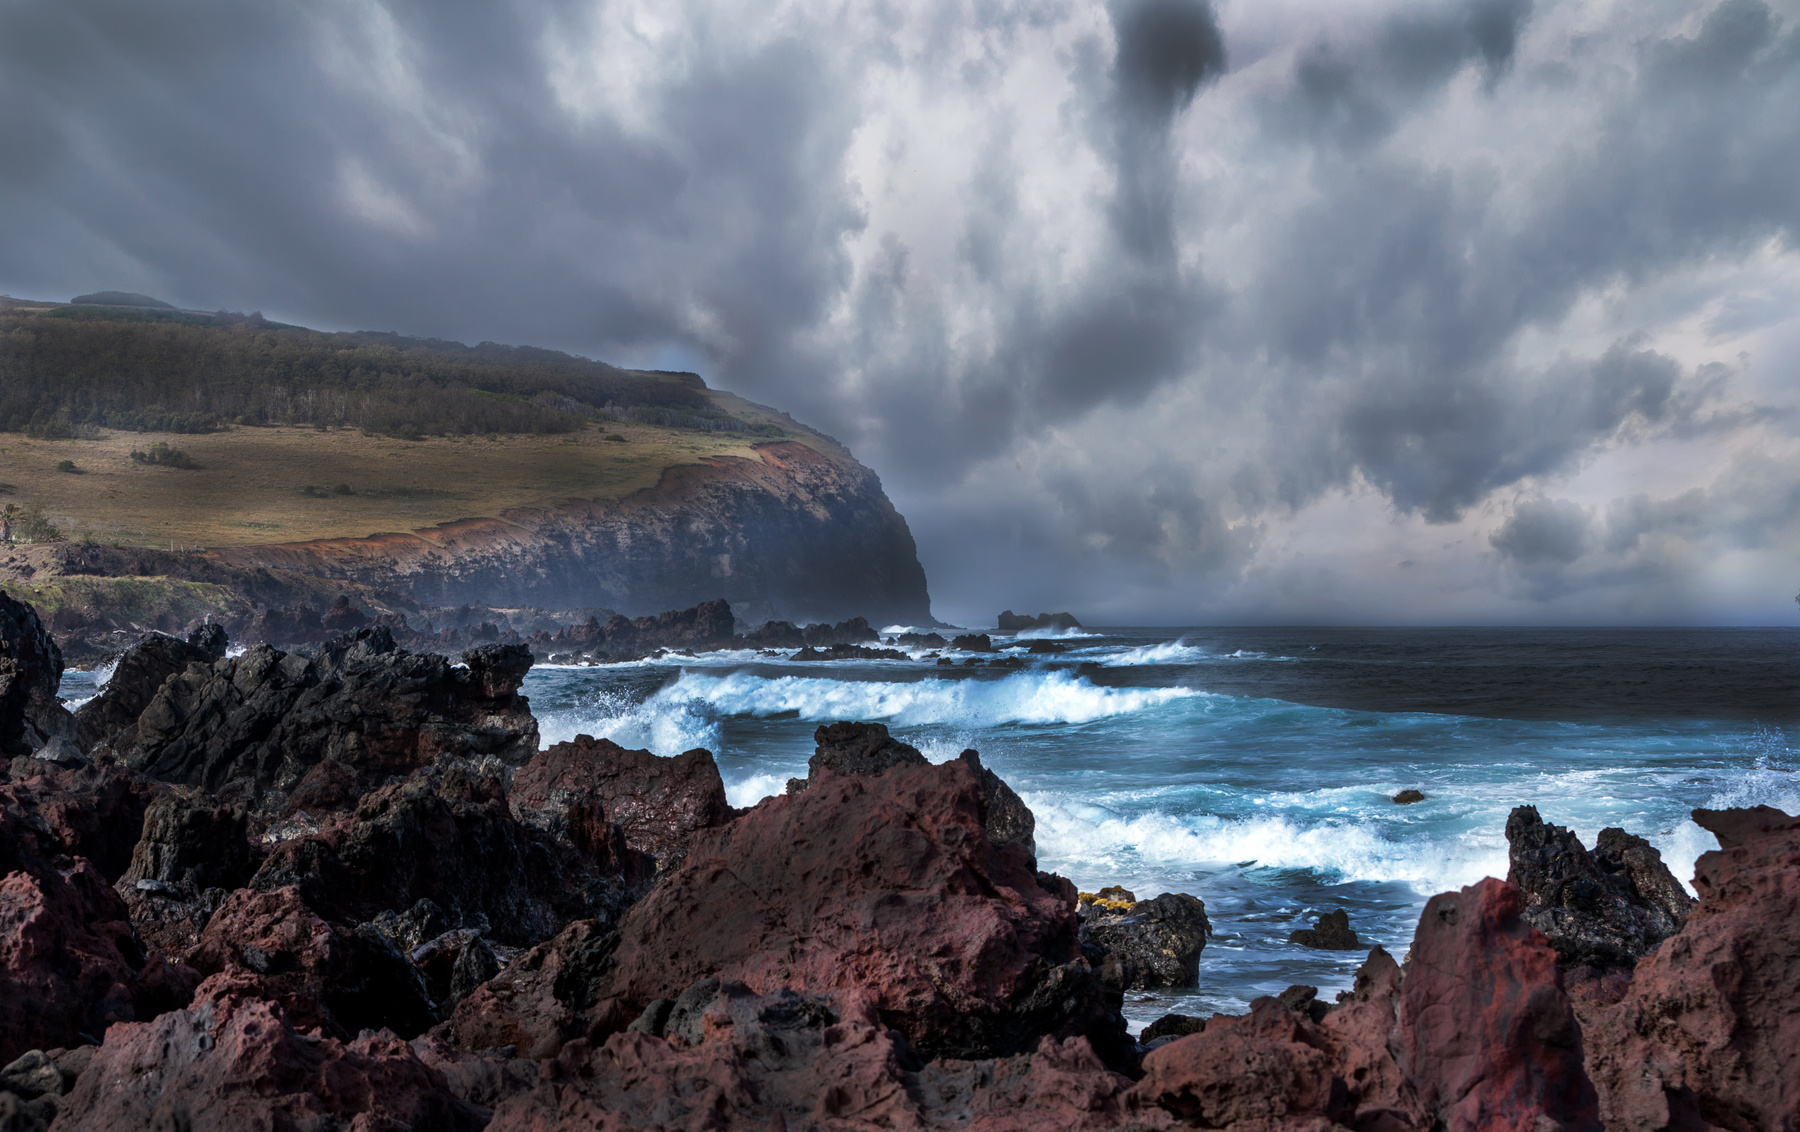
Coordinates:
[1254,767]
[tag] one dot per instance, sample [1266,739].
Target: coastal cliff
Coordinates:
[792,534]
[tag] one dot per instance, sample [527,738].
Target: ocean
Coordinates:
[1255,768]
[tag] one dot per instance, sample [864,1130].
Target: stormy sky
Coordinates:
[1161,311]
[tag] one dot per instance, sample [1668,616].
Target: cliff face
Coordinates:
[795,534]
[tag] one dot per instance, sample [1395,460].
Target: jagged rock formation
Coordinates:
[31,668]
[1330,932]
[1606,908]
[796,533]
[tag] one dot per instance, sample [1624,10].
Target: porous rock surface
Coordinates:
[576,789]
[1708,1034]
[886,886]
[1606,908]
[31,667]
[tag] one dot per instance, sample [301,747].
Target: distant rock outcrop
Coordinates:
[1010,622]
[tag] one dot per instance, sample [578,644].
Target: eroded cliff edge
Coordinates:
[798,534]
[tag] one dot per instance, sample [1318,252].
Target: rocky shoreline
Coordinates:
[345,889]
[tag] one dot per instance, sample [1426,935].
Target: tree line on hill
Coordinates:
[73,369]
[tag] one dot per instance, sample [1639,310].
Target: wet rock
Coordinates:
[1330,932]
[1487,1036]
[450,839]
[31,669]
[1705,1035]
[1408,796]
[1171,1026]
[232,1061]
[1604,909]
[972,642]
[1047,648]
[1148,943]
[262,720]
[69,966]
[888,886]
[339,979]
[1010,622]
[848,652]
[576,790]
[773,635]
[922,640]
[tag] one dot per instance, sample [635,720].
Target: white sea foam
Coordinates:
[1169,652]
[686,713]
[1093,842]
[754,788]
[1054,635]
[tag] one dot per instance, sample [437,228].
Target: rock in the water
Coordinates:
[1010,622]
[31,669]
[326,976]
[232,1061]
[973,642]
[1486,1034]
[1604,909]
[448,838]
[1150,943]
[1706,1036]
[576,789]
[1408,796]
[886,886]
[1171,1026]
[1330,932]
[262,720]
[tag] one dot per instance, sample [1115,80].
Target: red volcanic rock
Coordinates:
[69,966]
[887,887]
[538,1002]
[1708,1033]
[325,976]
[576,789]
[1270,1068]
[1486,1033]
[787,1060]
[95,810]
[231,1061]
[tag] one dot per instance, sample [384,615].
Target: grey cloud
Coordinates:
[1544,530]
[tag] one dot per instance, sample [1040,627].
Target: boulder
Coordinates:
[1330,932]
[1707,1035]
[1171,1026]
[31,668]
[973,642]
[330,977]
[576,790]
[887,886]
[1408,796]
[261,721]
[1268,1069]
[1146,943]
[1486,1034]
[448,837]
[1604,909]
[232,1061]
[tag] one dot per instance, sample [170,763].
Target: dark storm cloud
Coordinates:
[1232,293]
[1544,530]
